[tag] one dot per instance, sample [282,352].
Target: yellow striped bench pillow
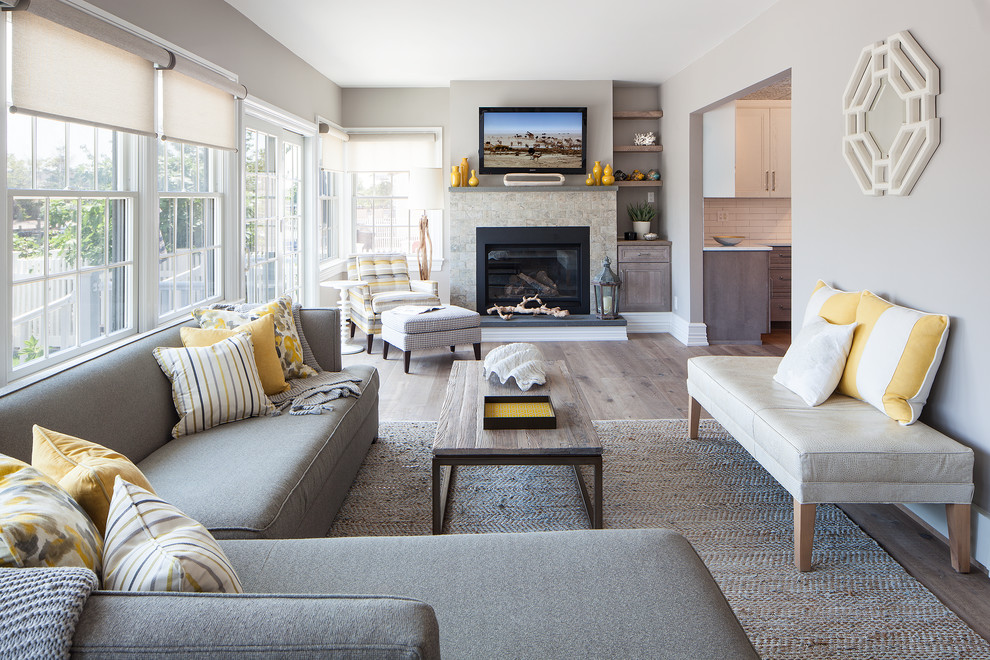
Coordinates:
[835,306]
[152,546]
[894,356]
[214,384]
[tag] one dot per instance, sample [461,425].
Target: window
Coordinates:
[381,212]
[190,253]
[72,207]
[272,212]
[380,164]
[331,191]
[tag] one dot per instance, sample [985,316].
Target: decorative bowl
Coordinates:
[728,240]
[651,236]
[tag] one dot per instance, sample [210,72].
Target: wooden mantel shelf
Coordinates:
[636,147]
[636,114]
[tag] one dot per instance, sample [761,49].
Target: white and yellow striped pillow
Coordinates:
[214,384]
[835,306]
[894,356]
[152,546]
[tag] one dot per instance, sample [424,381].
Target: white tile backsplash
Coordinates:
[756,219]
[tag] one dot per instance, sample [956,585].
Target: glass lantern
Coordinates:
[606,288]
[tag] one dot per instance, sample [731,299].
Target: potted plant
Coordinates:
[642,215]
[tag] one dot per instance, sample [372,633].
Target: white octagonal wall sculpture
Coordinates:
[891,126]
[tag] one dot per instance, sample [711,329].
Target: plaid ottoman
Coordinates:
[412,327]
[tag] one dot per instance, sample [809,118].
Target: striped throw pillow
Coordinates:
[152,546]
[214,384]
[835,306]
[894,356]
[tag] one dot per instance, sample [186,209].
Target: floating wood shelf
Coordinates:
[642,184]
[635,114]
[634,148]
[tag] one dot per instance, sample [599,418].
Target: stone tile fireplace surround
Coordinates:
[536,206]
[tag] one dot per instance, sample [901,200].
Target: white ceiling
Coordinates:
[405,43]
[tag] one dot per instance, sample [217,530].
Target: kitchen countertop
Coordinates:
[745,246]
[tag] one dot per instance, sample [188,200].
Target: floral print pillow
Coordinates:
[287,343]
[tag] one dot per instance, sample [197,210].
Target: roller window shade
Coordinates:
[197,112]
[63,74]
[332,153]
[391,152]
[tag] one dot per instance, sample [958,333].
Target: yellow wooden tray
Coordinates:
[519,412]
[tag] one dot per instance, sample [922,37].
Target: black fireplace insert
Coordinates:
[549,262]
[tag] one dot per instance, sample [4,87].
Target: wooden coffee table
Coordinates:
[461,440]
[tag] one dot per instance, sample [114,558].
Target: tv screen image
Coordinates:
[532,140]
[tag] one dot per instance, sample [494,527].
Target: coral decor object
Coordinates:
[524,362]
[530,305]
[645,139]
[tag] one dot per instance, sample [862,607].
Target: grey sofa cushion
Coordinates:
[211,626]
[258,477]
[585,594]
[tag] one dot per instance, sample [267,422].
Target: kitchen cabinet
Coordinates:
[737,294]
[747,150]
[780,284]
[644,269]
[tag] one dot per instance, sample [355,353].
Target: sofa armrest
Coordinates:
[212,626]
[321,325]
[425,286]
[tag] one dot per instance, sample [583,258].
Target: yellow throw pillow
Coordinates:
[835,306]
[894,356]
[40,524]
[84,470]
[287,342]
[262,337]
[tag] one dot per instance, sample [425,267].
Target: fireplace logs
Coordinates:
[528,305]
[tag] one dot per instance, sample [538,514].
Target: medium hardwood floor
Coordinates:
[644,378]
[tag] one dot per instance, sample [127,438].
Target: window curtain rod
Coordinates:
[93,26]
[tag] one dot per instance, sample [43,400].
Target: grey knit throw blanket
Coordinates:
[311,396]
[41,607]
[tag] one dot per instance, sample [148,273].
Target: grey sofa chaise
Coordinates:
[261,485]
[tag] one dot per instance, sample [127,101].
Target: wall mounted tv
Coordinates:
[552,140]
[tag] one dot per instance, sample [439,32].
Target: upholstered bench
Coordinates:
[843,451]
[411,327]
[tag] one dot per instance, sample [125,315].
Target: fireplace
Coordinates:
[549,262]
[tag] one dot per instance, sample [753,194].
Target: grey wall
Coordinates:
[466,96]
[927,250]
[215,31]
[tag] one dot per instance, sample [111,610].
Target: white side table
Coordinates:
[346,347]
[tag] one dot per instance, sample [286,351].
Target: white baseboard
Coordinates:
[689,334]
[647,321]
[554,333]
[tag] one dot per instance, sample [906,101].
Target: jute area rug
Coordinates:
[857,602]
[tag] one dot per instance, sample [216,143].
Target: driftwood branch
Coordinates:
[530,305]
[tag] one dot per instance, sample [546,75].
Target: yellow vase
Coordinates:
[597,172]
[607,171]
[473,181]
[464,171]
[608,179]
[590,181]
[455,176]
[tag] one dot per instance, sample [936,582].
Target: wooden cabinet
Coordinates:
[747,150]
[644,268]
[763,149]
[737,295]
[780,284]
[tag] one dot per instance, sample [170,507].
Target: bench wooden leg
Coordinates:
[694,416]
[804,535]
[958,516]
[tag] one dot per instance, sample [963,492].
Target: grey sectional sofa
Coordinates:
[262,484]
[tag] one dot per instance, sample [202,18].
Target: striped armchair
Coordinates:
[388,286]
